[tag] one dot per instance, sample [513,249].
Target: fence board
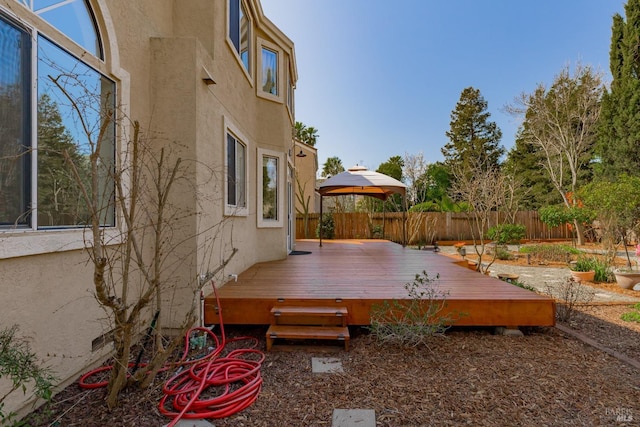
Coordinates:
[422,227]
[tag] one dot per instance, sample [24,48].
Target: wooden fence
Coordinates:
[422,227]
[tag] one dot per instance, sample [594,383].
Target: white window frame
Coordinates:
[290,96]
[281,191]
[19,242]
[251,71]
[264,44]
[234,210]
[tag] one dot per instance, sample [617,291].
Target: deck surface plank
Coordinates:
[367,272]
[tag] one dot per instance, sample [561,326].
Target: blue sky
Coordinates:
[379,78]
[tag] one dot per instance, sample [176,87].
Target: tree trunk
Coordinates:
[579,232]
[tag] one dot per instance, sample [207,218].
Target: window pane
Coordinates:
[269,188]
[72,17]
[15,47]
[245,37]
[269,71]
[231,170]
[234,23]
[73,102]
[241,175]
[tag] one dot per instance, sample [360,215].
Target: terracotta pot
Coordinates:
[627,280]
[583,276]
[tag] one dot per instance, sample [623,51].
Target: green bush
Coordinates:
[548,252]
[523,286]
[584,264]
[412,321]
[21,368]
[633,315]
[328,227]
[603,271]
[507,233]
[503,254]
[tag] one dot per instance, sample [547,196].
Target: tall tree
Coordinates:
[618,146]
[523,164]
[560,122]
[59,197]
[333,166]
[473,139]
[393,168]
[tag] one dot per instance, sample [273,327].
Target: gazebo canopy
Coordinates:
[360,180]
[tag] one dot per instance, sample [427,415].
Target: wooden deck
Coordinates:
[359,273]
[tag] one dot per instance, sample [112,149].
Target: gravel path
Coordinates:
[543,278]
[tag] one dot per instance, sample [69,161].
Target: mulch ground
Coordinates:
[467,377]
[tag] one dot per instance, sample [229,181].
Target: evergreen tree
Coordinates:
[618,144]
[536,189]
[393,168]
[474,140]
[59,198]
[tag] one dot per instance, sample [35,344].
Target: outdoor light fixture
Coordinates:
[206,77]
[301,154]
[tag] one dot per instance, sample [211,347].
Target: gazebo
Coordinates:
[361,181]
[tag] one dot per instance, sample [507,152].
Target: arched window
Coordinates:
[71,17]
[49,135]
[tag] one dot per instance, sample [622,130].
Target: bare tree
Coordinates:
[138,272]
[304,200]
[482,189]
[561,122]
[414,173]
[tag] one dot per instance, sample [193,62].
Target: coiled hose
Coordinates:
[217,385]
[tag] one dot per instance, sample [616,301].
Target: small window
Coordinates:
[236,195]
[269,71]
[240,32]
[269,188]
[271,180]
[270,79]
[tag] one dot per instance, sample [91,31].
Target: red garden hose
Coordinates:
[231,381]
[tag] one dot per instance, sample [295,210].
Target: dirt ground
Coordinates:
[468,377]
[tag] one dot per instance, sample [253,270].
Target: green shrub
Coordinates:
[548,252]
[584,264]
[507,233]
[411,322]
[523,286]
[503,254]
[328,227]
[603,271]
[633,315]
[21,368]
[376,232]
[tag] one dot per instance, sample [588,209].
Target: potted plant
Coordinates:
[617,208]
[583,270]
[627,277]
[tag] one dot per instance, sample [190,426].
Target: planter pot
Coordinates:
[627,280]
[583,276]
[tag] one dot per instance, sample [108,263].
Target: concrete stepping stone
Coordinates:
[329,365]
[354,418]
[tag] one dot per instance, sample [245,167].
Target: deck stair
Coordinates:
[308,323]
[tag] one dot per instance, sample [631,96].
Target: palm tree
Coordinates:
[304,134]
[332,166]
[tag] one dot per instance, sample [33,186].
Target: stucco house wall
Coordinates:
[177,74]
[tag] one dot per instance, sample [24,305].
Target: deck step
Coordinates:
[309,315]
[307,332]
[281,311]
